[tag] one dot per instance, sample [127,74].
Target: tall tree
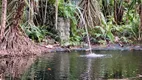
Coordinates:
[14,40]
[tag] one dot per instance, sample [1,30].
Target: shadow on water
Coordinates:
[18,68]
[13,68]
[124,65]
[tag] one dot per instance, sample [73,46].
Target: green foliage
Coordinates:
[67,10]
[51,1]
[77,36]
[35,32]
[127,31]
[108,30]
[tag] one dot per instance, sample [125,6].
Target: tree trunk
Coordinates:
[15,42]
[118,12]
[3,19]
[31,11]
[56,14]
[140,26]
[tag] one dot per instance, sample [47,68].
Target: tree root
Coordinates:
[91,12]
[14,41]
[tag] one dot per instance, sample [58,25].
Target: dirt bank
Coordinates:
[54,48]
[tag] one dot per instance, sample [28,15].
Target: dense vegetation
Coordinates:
[107,21]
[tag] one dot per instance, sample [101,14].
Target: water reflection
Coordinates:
[13,68]
[70,66]
[62,67]
[87,74]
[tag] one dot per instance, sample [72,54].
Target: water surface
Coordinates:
[125,65]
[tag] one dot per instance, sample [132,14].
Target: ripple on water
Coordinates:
[93,55]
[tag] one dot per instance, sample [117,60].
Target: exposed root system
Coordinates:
[14,41]
[16,44]
[91,12]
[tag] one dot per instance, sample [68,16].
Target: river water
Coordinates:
[115,65]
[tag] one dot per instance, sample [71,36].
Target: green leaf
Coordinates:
[111,36]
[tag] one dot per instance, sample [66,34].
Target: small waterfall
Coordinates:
[91,54]
[88,39]
[86,29]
